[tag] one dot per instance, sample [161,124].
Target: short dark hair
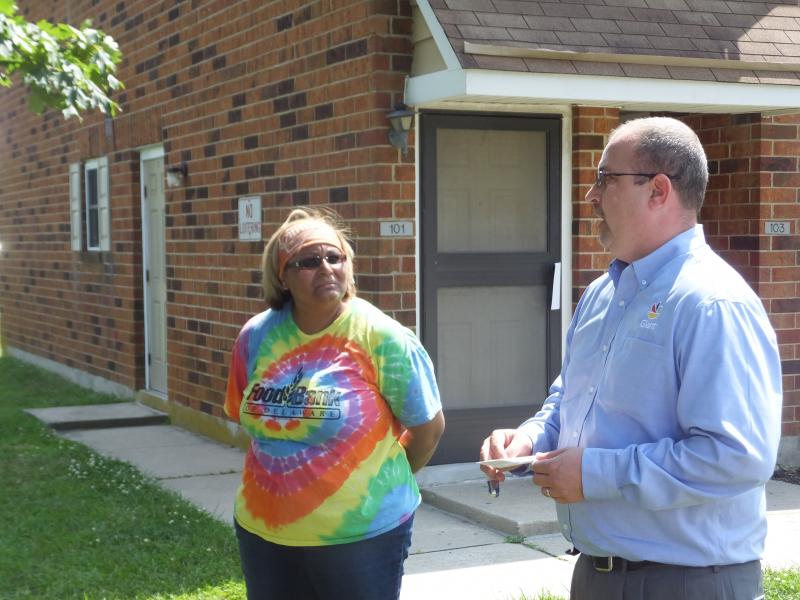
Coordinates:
[666,145]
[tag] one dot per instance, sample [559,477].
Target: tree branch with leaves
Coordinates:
[69,69]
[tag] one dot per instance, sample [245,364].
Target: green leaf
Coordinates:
[36,102]
[66,68]
[7,7]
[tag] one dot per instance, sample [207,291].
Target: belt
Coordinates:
[606,564]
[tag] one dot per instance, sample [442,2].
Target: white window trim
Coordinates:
[103,205]
[75,211]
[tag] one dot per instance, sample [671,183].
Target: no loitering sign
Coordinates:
[250,218]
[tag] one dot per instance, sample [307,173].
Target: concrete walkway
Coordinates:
[465,545]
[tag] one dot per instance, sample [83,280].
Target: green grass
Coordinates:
[782,585]
[78,525]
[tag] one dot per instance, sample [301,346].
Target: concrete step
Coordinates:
[98,416]
[519,510]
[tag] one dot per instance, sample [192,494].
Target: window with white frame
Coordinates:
[89,205]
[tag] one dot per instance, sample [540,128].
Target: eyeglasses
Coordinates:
[602,177]
[315,262]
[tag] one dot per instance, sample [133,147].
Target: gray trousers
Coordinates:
[667,582]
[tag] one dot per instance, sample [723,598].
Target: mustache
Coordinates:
[598,213]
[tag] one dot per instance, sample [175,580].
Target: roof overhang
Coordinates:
[452,87]
[456,86]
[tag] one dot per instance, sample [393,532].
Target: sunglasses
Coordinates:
[315,262]
[602,177]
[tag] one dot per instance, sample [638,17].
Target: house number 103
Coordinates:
[778,227]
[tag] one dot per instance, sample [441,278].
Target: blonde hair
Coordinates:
[275,293]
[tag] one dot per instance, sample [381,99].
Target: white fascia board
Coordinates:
[632,93]
[435,87]
[440,39]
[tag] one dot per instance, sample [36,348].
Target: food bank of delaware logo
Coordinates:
[655,310]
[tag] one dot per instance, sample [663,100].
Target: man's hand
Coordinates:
[558,473]
[504,443]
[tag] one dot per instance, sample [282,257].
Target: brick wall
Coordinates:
[82,309]
[780,282]
[731,210]
[285,100]
[590,129]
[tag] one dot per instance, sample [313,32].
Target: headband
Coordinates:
[307,232]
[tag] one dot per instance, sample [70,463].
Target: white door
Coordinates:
[155,287]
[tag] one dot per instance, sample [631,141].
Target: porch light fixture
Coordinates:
[176,175]
[401,119]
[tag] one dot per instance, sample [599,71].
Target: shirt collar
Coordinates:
[648,266]
[615,269]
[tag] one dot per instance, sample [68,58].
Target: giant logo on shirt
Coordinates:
[293,401]
[300,463]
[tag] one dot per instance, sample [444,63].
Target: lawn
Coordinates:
[79,525]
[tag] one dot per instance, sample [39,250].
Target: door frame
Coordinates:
[557,128]
[146,153]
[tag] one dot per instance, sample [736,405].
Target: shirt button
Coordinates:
[605,347]
[644,281]
[591,390]
[574,434]
[622,302]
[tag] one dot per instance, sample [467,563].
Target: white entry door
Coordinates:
[155,286]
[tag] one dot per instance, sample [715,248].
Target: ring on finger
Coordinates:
[546,492]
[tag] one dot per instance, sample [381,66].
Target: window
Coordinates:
[92,225]
[89,211]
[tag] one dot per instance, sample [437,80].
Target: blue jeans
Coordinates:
[370,569]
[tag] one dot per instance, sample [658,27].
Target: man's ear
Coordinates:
[661,189]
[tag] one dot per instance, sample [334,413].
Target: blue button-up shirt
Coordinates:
[671,383]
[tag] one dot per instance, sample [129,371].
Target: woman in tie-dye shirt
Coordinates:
[341,404]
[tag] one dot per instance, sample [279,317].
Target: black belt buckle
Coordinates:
[603,564]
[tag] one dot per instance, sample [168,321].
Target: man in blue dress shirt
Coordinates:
[659,435]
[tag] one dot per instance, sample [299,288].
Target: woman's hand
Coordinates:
[420,442]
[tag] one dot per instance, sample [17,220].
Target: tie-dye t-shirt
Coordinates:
[324,412]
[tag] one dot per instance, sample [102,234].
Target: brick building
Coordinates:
[114,279]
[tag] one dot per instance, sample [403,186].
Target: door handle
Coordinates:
[555,300]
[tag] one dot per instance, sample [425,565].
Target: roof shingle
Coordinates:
[738,34]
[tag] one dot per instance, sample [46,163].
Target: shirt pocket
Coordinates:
[640,383]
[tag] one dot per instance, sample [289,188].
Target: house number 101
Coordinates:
[397,228]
